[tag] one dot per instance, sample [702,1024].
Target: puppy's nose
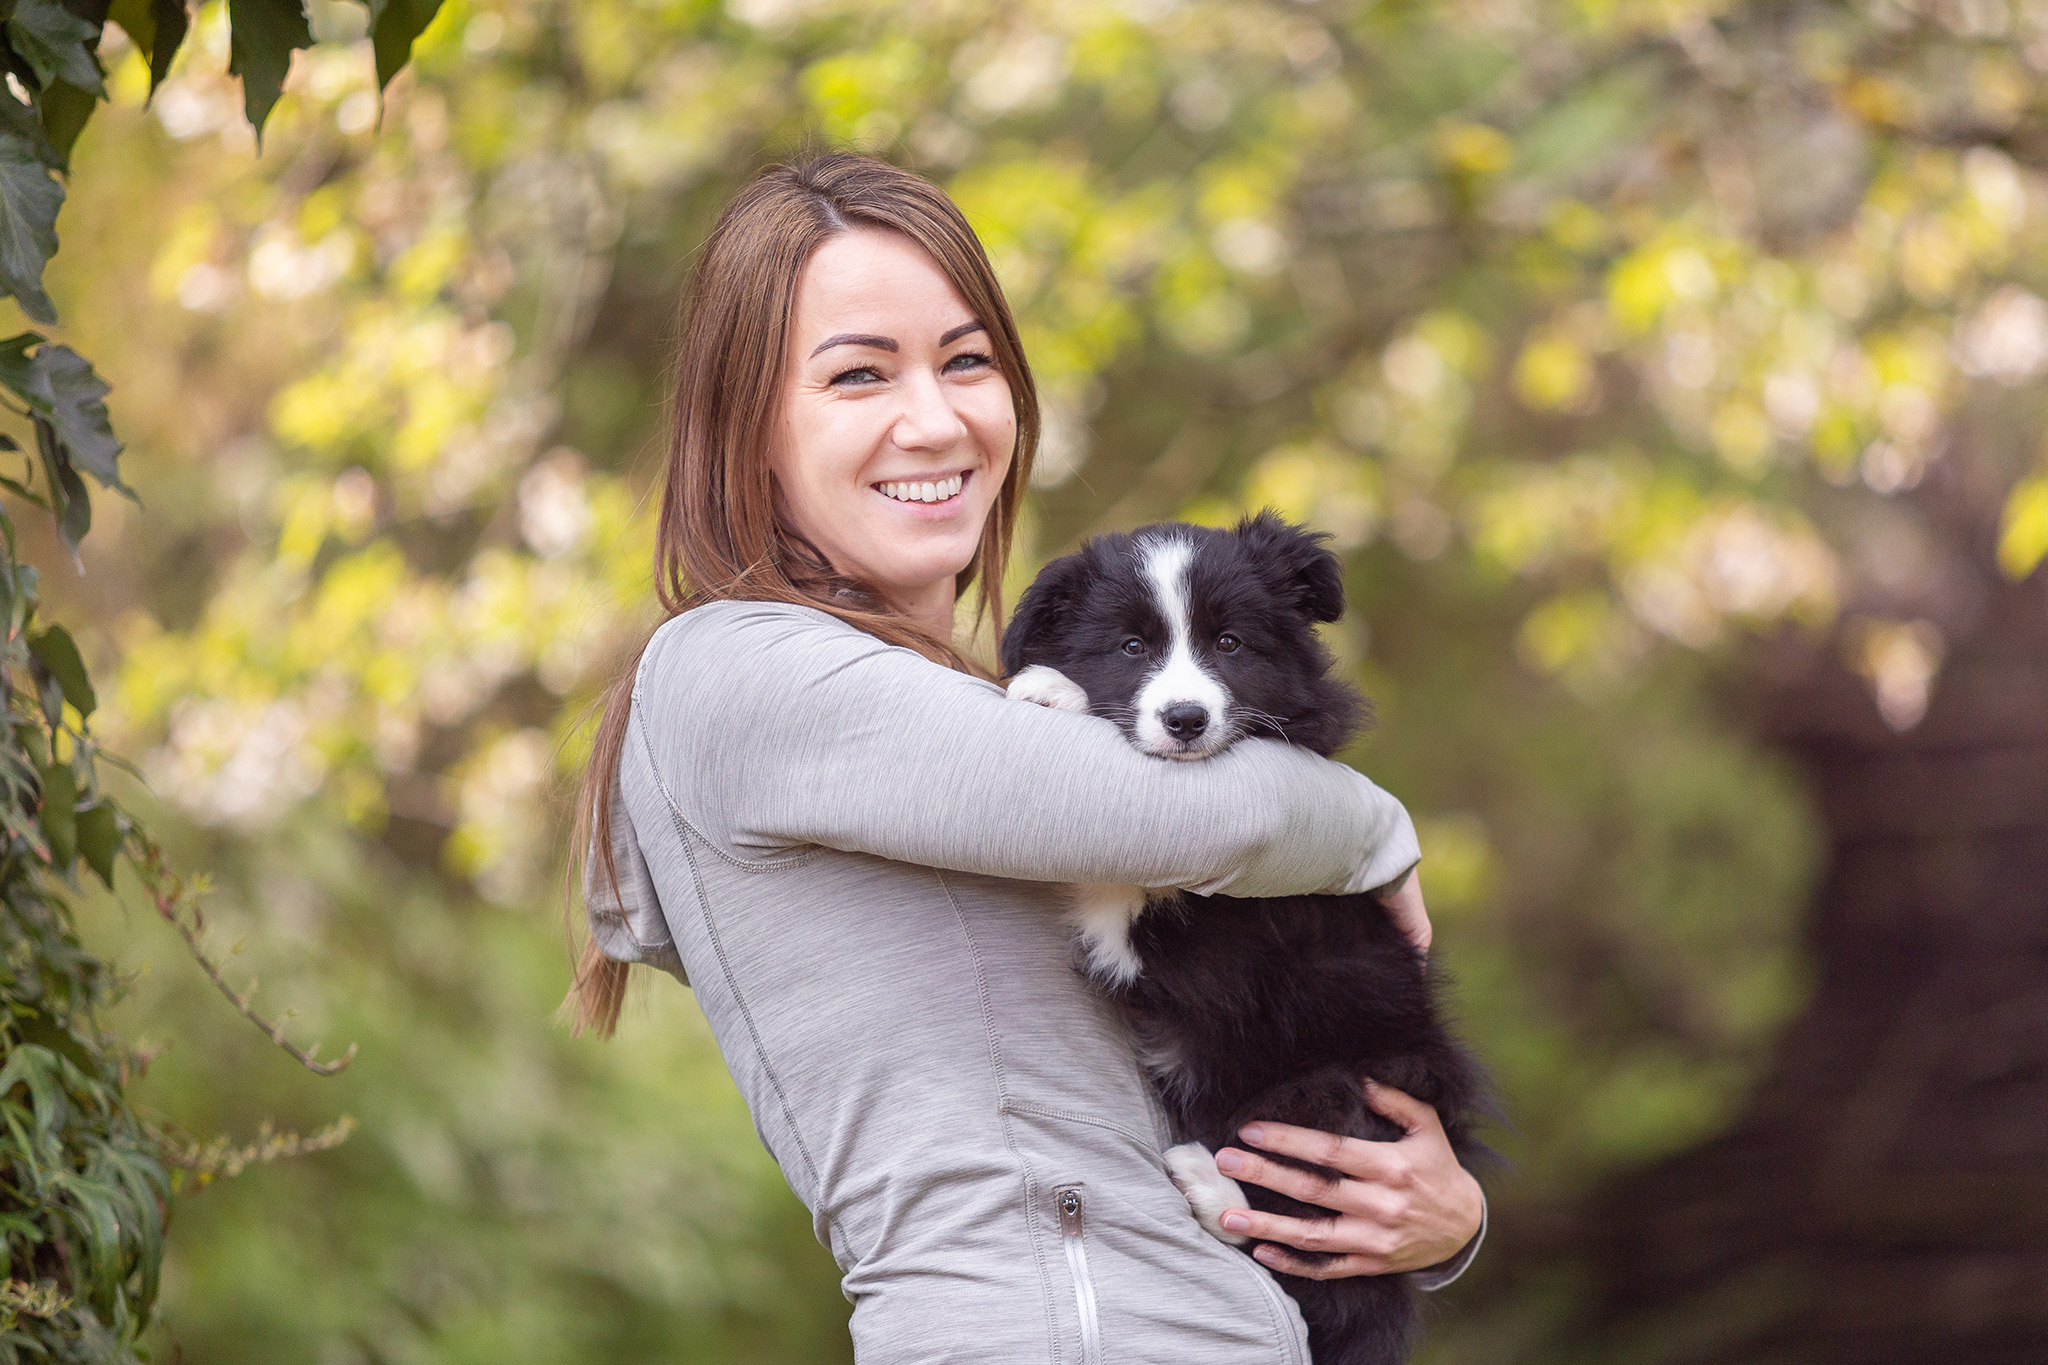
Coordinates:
[1185,720]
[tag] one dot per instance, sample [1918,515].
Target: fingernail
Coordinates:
[1236,1222]
[1227,1160]
[1252,1133]
[1264,1253]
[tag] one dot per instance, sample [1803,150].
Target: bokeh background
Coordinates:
[1668,373]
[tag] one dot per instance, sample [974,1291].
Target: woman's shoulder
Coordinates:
[732,644]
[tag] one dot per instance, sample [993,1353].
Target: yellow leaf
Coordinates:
[2023,538]
[1553,373]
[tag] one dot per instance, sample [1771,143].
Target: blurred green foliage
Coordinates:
[1602,334]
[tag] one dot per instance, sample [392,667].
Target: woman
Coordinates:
[808,804]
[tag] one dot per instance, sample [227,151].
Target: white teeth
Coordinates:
[937,491]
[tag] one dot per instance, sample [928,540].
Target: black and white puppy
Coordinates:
[1190,638]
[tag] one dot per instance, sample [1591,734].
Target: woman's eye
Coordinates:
[1227,644]
[975,360]
[1134,646]
[862,374]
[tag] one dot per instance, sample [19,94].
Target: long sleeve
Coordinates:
[772,727]
[1435,1277]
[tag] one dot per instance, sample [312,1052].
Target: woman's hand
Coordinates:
[1404,906]
[1400,1205]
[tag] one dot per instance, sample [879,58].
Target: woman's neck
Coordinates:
[930,606]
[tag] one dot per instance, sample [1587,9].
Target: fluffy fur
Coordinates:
[1269,1008]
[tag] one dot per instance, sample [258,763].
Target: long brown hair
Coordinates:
[721,535]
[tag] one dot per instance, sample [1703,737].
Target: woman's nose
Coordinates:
[928,421]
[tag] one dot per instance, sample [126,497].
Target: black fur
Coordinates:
[1273,1008]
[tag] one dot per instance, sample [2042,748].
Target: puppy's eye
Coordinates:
[1134,646]
[1227,644]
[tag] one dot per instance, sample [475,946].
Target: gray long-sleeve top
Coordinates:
[854,856]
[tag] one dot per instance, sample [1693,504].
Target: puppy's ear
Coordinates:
[1295,562]
[1044,611]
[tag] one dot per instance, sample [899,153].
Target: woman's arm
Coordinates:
[775,726]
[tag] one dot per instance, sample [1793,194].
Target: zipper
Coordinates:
[1071,1229]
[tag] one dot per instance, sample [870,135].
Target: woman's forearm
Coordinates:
[876,750]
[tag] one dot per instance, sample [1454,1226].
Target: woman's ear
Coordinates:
[1043,613]
[1295,562]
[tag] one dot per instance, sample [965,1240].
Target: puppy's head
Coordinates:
[1191,638]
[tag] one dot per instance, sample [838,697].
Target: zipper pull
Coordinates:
[1070,1212]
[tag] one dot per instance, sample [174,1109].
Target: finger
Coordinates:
[1303,1234]
[1307,1186]
[1404,905]
[1400,1106]
[1287,1262]
[1358,1159]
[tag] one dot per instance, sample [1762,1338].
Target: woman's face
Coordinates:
[896,427]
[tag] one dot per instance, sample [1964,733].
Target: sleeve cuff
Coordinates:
[1437,1276]
[1393,849]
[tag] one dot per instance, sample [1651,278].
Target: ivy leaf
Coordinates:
[65,111]
[157,28]
[99,839]
[67,492]
[25,122]
[262,36]
[57,45]
[61,389]
[394,26]
[59,654]
[60,821]
[29,199]
[80,414]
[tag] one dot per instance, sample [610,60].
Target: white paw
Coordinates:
[1101,914]
[1192,1168]
[1048,687]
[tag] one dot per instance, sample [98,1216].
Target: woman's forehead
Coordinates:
[866,278]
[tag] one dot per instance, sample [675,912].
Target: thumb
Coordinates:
[1412,1114]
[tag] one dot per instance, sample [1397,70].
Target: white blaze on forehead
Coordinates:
[1180,677]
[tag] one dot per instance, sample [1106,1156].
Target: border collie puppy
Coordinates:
[1191,638]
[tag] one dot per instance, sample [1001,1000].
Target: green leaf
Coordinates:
[60,821]
[57,44]
[79,411]
[67,491]
[262,36]
[99,839]
[29,199]
[394,25]
[62,391]
[59,654]
[65,111]
[26,582]
[25,122]
[157,28]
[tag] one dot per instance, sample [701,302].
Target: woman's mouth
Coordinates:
[925,492]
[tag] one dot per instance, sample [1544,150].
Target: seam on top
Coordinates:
[683,834]
[676,811]
[995,1058]
[1048,1111]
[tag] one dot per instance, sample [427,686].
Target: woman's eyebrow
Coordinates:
[855,339]
[889,343]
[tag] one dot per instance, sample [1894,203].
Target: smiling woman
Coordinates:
[893,440]
[805,802]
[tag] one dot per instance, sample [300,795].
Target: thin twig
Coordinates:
[167,891]
[218,1158]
